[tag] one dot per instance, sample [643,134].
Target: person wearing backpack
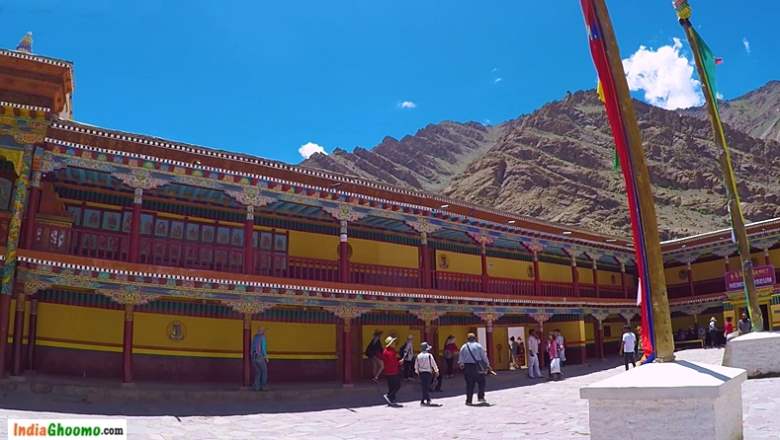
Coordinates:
[425,367]
[450,351]
[374,354]
[407,355]
[474,362]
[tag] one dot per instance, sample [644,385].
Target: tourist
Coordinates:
[628,347]
[554,369]
[450,351]
[374,355]
[438,377]
[513,354]
[533,356]
[712,333]
[561,346]
[728,329]
[260,359]
[545,348]
[744,325]
[391,365]
[426,368]
[474,362]
[407,355]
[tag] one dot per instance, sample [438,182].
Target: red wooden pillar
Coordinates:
[425,262]
[691,290]
[16,367]
[575,276]
[485,279]
[28,237]
[537,275]
[343,254]
[596,278]
[32,334]
[5,306]
[600,338]
[249,229]
[127,346]
[346,345]
[246,354]
[135,226]
[489,336]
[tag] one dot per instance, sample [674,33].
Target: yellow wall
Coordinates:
[206,337]
[774,257]
[399,331]
[309,245]
[292,340]
[605,278]
[80,327]
[708,270]
[461,263]
[558,273]
[683,322]
[573,331]
[500,359]
[459,331]
[585,275]
[775,311]
[506,268]
[385,254]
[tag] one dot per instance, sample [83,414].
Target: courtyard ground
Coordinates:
[521,409]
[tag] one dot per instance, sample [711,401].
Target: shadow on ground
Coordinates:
[63,395]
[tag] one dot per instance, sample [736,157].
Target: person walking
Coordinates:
[374,355]
[450,352]
[513,354]
[712,333]
[554,371]
[407,355]
[744,325]
[391,367]
[561,342]
[628,346]
[533,356]
[260,359]
[426,368]
[728,329]
[474,362]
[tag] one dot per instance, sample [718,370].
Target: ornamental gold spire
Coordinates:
[25,44]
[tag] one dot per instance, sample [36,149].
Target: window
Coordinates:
[6,190]
[91,218]
[111,221]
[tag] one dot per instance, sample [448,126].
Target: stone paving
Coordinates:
[522,409]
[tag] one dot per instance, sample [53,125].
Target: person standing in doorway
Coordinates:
[474,362]
[391,367]
[744,325]
[513,354]
[425,367]
[407,355]
[374,355]
[450,352]
[260,359]
[712,333]
[628,346]
[533,356]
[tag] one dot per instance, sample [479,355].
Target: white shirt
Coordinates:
[533,344]
[629,342]
[424,363]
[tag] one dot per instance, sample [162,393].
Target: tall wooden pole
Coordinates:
[662,322]
[735,210]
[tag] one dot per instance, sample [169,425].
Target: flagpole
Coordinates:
[735,210]
[662,323]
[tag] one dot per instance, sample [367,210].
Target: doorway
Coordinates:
[519,335]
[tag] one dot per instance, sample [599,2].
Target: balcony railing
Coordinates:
[115,246]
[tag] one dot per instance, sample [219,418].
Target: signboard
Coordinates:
[764,276]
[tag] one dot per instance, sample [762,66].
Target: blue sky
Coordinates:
[267,77]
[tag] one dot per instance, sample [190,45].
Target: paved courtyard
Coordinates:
[521,409]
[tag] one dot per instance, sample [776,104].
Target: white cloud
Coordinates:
[746,43]
[719,96]
[407,105]
[498,80]
[665,76]
[309,148]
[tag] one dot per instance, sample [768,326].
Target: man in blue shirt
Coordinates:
[260,359]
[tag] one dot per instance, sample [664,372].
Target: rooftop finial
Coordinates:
[25,44]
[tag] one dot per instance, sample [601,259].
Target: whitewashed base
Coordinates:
[676,400]
[758,353]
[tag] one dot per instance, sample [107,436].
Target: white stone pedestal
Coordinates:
[676,400]
[758,353]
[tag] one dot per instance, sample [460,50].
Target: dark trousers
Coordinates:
[425,385]
[393,385]
[472,376]
[629,358]
[449,363]
[408,369]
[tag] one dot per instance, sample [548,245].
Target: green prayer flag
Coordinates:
[708,61]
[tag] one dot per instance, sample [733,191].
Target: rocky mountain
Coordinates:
[756,113]
[556,164]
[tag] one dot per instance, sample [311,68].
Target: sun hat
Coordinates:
[389,341]
[471,336]
[425,346]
